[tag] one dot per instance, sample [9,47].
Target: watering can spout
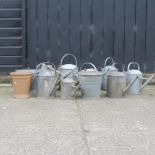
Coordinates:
[149,79]
[129,86]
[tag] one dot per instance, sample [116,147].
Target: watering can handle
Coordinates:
[131,63]
[49,63]
[45,63]
[88,63]
[39,66]
[108,59]
[62,59]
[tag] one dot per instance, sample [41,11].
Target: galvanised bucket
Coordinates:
[116,85]
[90,81]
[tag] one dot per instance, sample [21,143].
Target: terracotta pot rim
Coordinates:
[21,74]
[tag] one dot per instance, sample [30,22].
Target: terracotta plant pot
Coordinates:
[21,84]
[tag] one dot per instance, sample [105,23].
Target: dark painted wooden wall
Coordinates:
[12,34]
[90,29]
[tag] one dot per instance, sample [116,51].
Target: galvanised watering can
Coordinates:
[106,70]
[132,74]
[67,68]
[46,76]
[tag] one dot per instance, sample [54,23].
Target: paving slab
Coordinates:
[77,127]
[120,126]
[39,126]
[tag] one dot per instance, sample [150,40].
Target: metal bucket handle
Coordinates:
[62,59]
[108,59]
[88,63]
[133,63]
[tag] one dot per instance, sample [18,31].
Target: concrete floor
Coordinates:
[81,127]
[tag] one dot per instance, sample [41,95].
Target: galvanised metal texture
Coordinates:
[116,85]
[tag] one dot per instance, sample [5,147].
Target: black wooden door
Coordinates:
[12,34]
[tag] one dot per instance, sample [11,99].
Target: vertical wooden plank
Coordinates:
[130,29]
[102,33]
[108,28]
[97,32]
[48,55]
[75,28]
[85,38]
[59,33]
[24,58]
[31,33]
[150,43]
[119,31]
[54,25]
[140,36]
[42,31]
[64,27]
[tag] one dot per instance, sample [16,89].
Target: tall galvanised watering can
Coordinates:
[90,81]
[67,68]
[106,70]
[46,76]
[132,74]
